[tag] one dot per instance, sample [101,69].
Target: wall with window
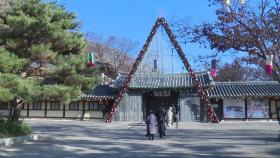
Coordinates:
[37,109]
[54,109]
[93,110]
[24,111]
[4,108]
[74,109]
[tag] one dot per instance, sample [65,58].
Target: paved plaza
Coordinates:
[70,139]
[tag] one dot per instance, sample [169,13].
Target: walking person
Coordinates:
[169,116]
[151,125]
[161,123]
[177,120]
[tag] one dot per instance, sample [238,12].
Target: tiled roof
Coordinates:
[100,92]
[245,89]
[160,81]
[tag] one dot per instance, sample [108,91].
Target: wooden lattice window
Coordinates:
[55,105]
[4,105]
[92,106]
[74,105]
[37,105]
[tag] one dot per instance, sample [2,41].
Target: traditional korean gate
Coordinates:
[156,103]
[162,22]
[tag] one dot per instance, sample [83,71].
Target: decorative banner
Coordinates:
[91,61]
[258,109]
[234,108]
[268,64]
[161,21]
[162,93]
[213,72]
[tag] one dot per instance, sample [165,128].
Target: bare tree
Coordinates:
[237,72]
[112,50]
[241,28]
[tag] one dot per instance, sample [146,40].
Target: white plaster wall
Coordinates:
[36,113]
[80,105]
[94,114]
[67,106]
[54,113]
[86,105]
[77,114]
[23,113]
[48,105]
[4,112]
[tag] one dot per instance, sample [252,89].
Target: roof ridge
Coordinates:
[248,82]
[199,72]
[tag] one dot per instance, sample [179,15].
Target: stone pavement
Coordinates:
[70,139]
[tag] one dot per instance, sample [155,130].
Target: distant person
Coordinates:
[174,113]
[177,119]
[169,116]
[161,123]
[151,125]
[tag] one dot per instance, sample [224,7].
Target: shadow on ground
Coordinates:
[87,139]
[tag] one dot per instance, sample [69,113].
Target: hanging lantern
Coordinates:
[213,72]
[227,3]
[90,62]
[242,1]
[268,64]
[155,65]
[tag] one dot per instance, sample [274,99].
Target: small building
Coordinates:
[91,106]
[251,100]
[155,91]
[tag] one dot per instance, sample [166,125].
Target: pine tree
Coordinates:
[41,54]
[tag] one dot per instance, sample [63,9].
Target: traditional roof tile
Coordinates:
[245,89]
[160,81]
[100,92]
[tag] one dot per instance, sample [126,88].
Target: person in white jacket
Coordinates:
[169,117]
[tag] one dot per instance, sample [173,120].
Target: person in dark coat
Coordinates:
[161,123]
[151,125]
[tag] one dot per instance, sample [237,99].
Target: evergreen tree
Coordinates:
[41,54]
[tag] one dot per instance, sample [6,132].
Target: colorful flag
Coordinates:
[213,71]
[91,62]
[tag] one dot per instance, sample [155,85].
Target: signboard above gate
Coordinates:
[162,93]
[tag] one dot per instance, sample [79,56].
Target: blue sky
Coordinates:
[134,19]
